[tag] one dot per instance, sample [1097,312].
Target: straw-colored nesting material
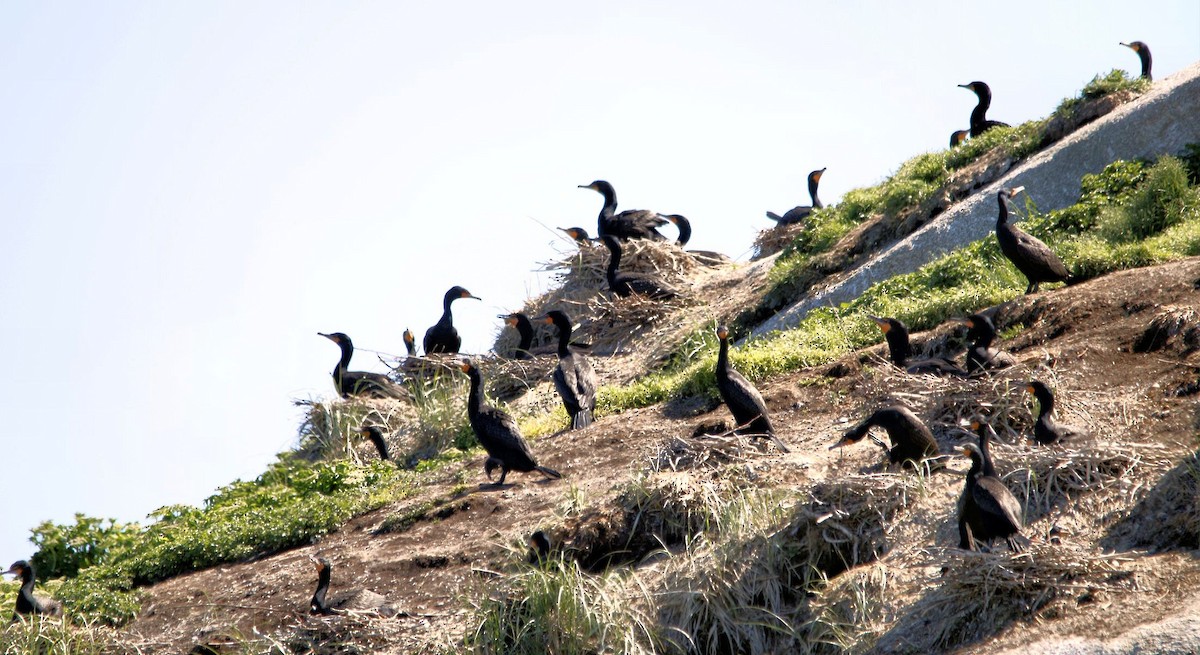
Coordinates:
[586,267]
[510,378]
[852,610]
[617,323]
[431,367]
[710,452]
[847,521]
[981,593]
[330,428]
[773,239]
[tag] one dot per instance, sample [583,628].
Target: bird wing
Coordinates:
[744,401]
[796,214]
[500,436]
[637,224]
[992,497]
[1037,256]
[644,286]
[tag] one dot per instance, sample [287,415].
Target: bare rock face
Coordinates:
[1158,123]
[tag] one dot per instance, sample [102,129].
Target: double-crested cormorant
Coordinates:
[361,601]
[574,378]
[1143,53]
[899,350]
[27,603]
[629,224]
[979,121]
[981,332]
[539,546]
[359,383]
[627,284]
[498,433]
[958,136]
[1046,430]
[578,235]
[410,343]
[442,337]
[797,214]
[375,435]
[524,329]
[744,401]
[911,439]
[989,510]
[1036,261]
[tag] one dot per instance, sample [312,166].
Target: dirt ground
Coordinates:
[1082,339]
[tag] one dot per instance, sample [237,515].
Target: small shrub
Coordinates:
[65,549]
[1162,200]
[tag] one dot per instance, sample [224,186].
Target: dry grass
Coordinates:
[713,453]
[776,238]
[981,593]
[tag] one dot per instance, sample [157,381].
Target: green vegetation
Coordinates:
[1117,81]
[288,505]
[54,637]
[1129,215]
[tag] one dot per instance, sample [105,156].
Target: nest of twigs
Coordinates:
[430,367]
[774,239]
[511,378]
[847,521]
[708,452]
[617,323]
[982,592]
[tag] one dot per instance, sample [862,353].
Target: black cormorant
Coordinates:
[539,546]
[627,284]
[797,214]
[410,343]
[359,383]
[1046,430]
[27,603]
[524,329]
[498,433]
[981,332]
[629,224]
[979,121]
[442,337]
[578,235]
[1036,261]
[574,378]
[1143,53]
[911,439]
[375,435]
[989,510]
[361,601]
[744,401]
[958,136]
[685,228]
[899,350]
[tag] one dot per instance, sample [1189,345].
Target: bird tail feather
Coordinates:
[550,472]
[775,217]
[581,419]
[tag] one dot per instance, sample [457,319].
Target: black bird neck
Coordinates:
[380,445]
[447,318]
[1045,402]
[723,358]
[979,113]
[813,182]
[475,397]
[614,260]
[347,352]
[318,604]
[1002,217]
[985,449]
[976,467]
[898,346]
[984,335]
[564,338]
[610,201]
[1143,54]
[685,231]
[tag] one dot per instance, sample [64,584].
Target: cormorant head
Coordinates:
[20,568]
[369,431]
[558,318]
[457,292]
[853,435]
[599,186]
[958,136]
[1039,390]
[815,176]
[577,234]
[408,337]
[510,319]
[1008,194]
[467,366]
[886,325]
[336,337]
[320,563]
[972,451]
[1136,46]
[979,88]
[722,332]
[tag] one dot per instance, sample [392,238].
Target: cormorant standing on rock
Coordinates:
[1143,53]
[629,224]
[498,433]
[525,329]
[359,383]
[1036,261]
[442,337]
[797,214]
[375,435]
[989,510]
[981,332]
[899,350]
[1046,430]
[958,136]
[911,439]
[744,401]
[627,284]
[574,378]
[979,121]
[27,603]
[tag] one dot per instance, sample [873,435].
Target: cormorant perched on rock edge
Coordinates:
[1046,430]
[981,332]
[797,214]
[979,121]
[895,332]
[442,337]
[27,603]
[629,224]
[743,400]
[627,284]
[498,433]
[989,510]
[525,329]
[911,439]
[359,383]
[1143,53]
[1036,261]
[573,378]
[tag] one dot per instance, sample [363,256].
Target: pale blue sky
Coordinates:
[191,191]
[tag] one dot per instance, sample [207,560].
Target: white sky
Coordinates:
[190,191]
